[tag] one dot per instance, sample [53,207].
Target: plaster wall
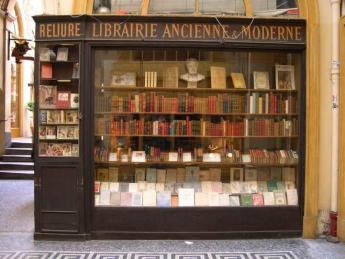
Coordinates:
[325,105]
[2,105]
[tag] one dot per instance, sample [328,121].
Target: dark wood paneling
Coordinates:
[59,222]
[197,220]
[59,188]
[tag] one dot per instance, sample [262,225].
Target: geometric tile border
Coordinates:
[110,255]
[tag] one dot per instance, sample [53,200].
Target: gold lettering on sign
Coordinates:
[298,33]
[49,30]
[273,31]
[63,30]
[166,32]
[281,33]
[184,31]
[94,32]
[226,31]
[154,30]
[42,31]
[265,33]
[125,32]
[289,33]
[246,32]
[175,30]
[107,30]
[207,31]
[197,33]
[139,30]
[77,30]
[256,33]
[216,31]
[117,28]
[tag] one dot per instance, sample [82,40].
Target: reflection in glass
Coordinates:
[275,7]
[173,7]
[118,6]
[225,7]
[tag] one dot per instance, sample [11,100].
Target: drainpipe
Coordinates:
[335,5]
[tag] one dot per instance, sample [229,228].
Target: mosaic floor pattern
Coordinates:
[107,255]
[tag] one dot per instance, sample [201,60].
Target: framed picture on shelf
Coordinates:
[71,117]
[62,54]
[238,80]
[261,80]
[66,149]
[75,73]
[63,99]
[138,156]
[50,132]
[61,132]
[236,174]
[218,77]
[44,54]
[285,77]
[74,100]
[170,78]
[47,96]
[124,79]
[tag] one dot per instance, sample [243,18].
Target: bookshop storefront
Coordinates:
[152,127]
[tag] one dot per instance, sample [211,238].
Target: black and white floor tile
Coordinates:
[109,255]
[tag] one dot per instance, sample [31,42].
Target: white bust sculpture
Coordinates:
[192,77]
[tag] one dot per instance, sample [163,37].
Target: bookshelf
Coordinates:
[227,128]
[58,99]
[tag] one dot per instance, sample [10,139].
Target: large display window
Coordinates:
[196,128]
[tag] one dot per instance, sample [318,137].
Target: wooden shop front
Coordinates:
[169,127]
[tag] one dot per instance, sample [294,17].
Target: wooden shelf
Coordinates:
[57,109]
[209,90]
[185,136]
[59,124]
[54,140]
[67,80]
[198,163]
[58,61]
[196,113]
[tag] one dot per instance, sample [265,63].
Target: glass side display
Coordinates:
[185,127]
[58,101]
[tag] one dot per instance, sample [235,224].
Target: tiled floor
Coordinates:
[16,228]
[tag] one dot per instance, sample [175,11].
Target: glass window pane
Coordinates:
[226,7]
[233,114]
[275,7]
[118,6]
[177,6]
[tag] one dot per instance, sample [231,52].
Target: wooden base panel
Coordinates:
[61,236]
[309,225]
[194,235]
[341,228]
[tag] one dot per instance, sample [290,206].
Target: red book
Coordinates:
[258,199]
[47,71]
[63,99]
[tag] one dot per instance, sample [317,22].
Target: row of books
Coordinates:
[268,103]
[50,97]
[196,174]
[58,117]
[66,149]
[154,102]
[235,187]
[156,154]
[120,126]
[58,132]
[189,198]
